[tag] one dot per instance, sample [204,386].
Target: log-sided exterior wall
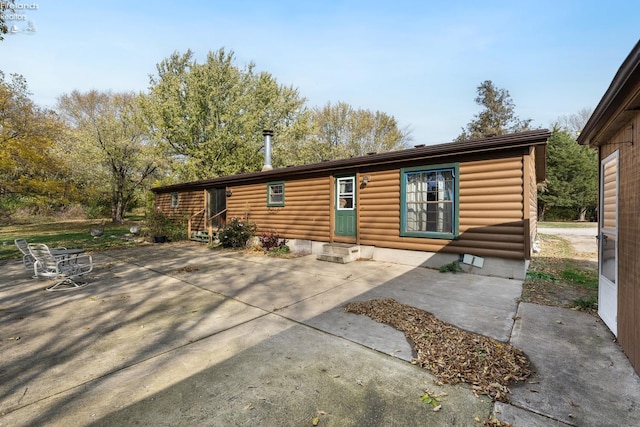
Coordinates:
[628,234]
[497,205]
[306,214]
[189,204]
[615,126]
[490,216]
[491,210]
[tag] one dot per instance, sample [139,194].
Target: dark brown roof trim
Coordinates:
[623,87]
[496,143]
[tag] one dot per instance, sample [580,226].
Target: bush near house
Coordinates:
[236,233]
[271,240]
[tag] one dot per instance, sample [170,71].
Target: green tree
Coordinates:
[210,116]
[338,131]
[497,116]
[109,145]
[29,168]
[572,176]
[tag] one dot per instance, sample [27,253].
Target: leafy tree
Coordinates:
[5,5]
[498,115]
[572,176]
[338,131]
[29,168]
[210,116]
[109,145]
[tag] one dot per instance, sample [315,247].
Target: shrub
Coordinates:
[160,224]
[236,233]
[271,240]
[280,250]
[452,267]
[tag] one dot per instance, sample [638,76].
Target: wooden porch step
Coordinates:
[202,236]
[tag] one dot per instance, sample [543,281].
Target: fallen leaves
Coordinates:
[431,398]
[450,353]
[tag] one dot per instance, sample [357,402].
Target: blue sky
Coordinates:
[419,61]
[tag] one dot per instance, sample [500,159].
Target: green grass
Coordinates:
[586,303]
[69,234]
[540,276]
[587,278]
[567,224]
[555,277]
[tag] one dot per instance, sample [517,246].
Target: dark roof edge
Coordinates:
[616,95]
[515,140]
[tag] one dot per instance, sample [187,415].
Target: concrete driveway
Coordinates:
[181,335]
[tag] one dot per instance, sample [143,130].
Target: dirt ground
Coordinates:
[565,252]
[583,240]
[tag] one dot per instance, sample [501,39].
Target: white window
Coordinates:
[429,202]
[345,194]
[275,193]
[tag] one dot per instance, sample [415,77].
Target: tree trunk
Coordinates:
[541,209]
[583,214]
[117,204]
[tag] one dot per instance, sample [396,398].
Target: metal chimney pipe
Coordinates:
[267,150]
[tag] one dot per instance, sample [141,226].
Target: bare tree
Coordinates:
[574,123]
[109,134]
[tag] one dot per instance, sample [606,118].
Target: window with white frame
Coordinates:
[275,193]
[174,200]
[345,193]
[429,201]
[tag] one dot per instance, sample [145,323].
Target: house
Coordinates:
[428,205]
[614,129]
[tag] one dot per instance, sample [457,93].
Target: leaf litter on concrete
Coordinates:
[452,354]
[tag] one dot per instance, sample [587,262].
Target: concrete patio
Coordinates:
[179,334]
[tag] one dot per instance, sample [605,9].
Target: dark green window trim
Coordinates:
[410,216]
[275,193]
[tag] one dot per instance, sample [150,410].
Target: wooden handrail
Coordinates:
[197,213]
[219,213]
[201,211]
[208,222]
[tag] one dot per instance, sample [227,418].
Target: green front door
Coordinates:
[345,211]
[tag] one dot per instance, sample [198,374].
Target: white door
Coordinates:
[608,243]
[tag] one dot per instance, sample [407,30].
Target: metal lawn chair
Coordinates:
[66,268]
[27,258]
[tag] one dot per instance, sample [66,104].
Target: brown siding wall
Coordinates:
[531,194]
[306,214]
[491,217]
[628,232]
[491,211]
[189,202]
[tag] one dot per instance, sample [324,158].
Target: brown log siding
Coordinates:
[628,232]
[530,189]
[305,215]
[189,203]
[491,211]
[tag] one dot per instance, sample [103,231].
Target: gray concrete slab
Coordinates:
[298,375]
[582,376]
[181,335]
